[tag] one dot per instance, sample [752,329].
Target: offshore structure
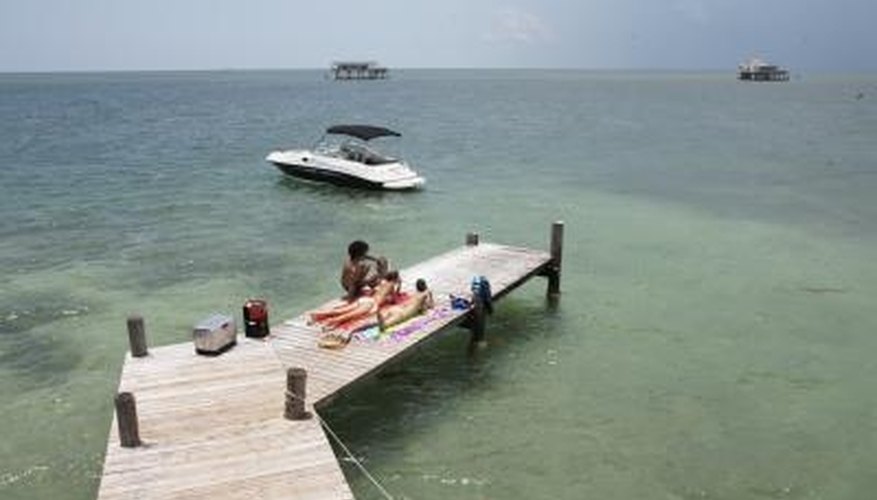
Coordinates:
[756,70]
[353,70]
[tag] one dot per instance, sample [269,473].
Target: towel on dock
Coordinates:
[370,320]
[366,328]
[405,329]
[367,320]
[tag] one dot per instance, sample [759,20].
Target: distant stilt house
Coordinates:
[358,71]
[757,70]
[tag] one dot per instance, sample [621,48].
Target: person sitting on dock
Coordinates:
[361,270]
[385,292]
[417,304]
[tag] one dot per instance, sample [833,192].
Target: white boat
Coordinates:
[349,161]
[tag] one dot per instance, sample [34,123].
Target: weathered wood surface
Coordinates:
[214,427]
[329,371]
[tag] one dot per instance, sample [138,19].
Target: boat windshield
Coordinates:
[353,151]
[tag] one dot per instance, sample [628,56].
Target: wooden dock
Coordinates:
[214,427]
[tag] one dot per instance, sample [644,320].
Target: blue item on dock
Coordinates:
[461,303]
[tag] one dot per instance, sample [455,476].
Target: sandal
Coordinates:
[334,340]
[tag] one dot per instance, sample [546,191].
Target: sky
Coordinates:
[97,35]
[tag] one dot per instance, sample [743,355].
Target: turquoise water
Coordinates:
[715,337]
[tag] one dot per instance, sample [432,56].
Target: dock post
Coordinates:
[471,239]
[296,379]
[126,418]
[477,323]
[137,336]
[556,259]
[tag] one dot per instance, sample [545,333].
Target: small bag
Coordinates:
[460,303]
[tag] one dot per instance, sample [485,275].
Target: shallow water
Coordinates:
[713,340]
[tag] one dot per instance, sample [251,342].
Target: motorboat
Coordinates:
[343,156]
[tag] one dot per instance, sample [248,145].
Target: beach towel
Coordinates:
[370,320]
[413,326]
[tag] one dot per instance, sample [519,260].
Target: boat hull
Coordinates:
[321,175]
[393,176]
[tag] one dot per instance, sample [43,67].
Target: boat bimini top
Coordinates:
[358,151]
[363,132]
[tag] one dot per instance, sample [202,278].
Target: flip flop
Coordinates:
[334,341]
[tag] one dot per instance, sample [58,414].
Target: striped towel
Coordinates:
[405,329]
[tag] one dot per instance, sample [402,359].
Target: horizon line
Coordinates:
[421,68]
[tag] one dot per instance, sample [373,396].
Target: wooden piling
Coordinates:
[477,323]
[296,379]
[137,336]
[471,239]
[126,418]
[556,251]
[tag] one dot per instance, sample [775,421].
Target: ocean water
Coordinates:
[716,334]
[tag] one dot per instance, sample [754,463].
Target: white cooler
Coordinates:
[214,335]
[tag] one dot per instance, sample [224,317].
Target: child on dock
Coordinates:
[419,303]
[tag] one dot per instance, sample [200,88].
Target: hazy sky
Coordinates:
[805,35]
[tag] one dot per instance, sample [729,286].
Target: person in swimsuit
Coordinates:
[360,270]
[419,303]
[385,292]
